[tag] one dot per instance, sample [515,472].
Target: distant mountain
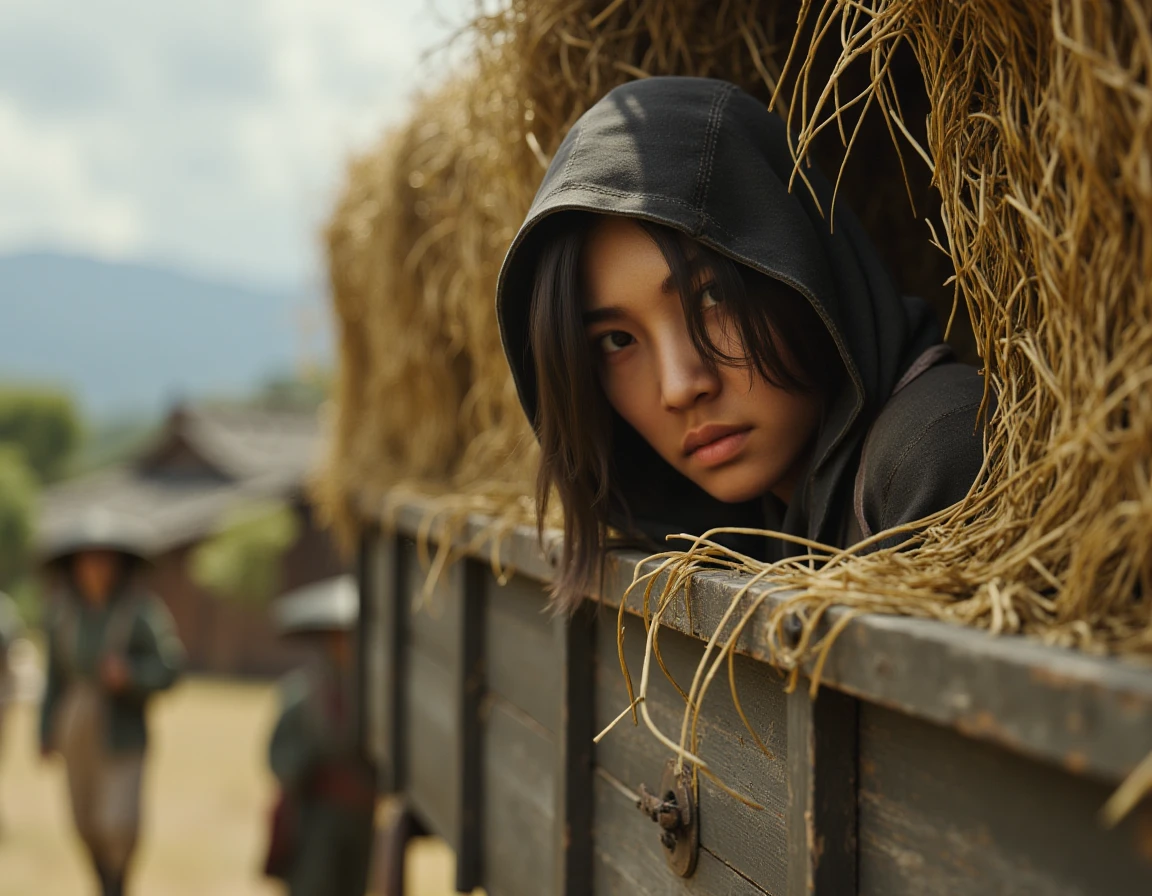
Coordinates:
[129,338]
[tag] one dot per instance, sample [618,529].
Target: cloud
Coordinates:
[47,194]
[212,135]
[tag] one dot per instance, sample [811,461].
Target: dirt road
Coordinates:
[205,804]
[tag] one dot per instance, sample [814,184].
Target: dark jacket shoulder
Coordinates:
[924,449]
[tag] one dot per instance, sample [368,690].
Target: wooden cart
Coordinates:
[935,759]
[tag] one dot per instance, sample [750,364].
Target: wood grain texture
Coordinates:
[943,814]
[432,732]
[471,694]
[629,860]
[753,842]
[523,663]
[375,652]
[1092,715]
[518,811]
[575,639]
[434,619]
[822,764]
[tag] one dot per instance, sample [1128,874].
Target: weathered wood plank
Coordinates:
[575,656]
[521,649]
[373,568]
[434,619]
[628,859]
[1091,715]
[754,842]
[940,813]
[1086,713]
[517,551]
[471,691]
[822,759]
[383,654]
[432,736]
[518,811]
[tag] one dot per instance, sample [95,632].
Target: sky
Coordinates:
[209,136]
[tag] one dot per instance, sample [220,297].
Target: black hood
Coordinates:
[705,158]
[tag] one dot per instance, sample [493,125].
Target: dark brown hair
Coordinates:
[576,426]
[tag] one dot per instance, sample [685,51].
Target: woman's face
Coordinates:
[96,573]
[727,429]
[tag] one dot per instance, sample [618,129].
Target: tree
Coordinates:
[18,488]
[294,392]
[241,561]
[43,423]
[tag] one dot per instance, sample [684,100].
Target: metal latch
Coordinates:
[673,808]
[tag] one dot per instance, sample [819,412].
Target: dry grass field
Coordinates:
[205,804]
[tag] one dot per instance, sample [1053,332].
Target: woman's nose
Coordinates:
[685,378]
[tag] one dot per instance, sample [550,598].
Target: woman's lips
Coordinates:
[721,447]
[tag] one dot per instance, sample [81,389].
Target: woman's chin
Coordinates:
[735,487]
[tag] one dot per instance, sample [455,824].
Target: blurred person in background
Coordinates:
[111,645]
[11,628]
[321,841]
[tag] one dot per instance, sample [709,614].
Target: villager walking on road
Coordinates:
[11,629]
[322,828]
[111,646]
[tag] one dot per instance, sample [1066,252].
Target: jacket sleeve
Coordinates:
[11,626]
[292,751]
[156,655]
[53,685]
[925,451]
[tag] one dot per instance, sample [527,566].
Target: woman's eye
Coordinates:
[709,297]
[614,341]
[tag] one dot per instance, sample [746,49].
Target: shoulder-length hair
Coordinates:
[783,338]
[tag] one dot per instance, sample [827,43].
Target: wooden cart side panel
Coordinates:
[436,618]
[628,859]
[1092,715]
[470,749]
[575,754]
[375,575]
[518,813]
[822,776]
[432,738]
[941,813]
[752,842]
[524,665]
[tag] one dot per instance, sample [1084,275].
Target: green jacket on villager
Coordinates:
[11,626]
[316,737]
[134,624]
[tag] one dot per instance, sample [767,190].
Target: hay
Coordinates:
[424,397]
[1041,125]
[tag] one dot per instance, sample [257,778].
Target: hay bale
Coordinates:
[1041,128]
[1034,121]
[414,248]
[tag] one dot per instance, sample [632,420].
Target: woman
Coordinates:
[111,646]
[322,829]
[697,346]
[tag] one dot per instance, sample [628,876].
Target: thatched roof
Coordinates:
[204,462]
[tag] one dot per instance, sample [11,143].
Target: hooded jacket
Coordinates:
[705,158]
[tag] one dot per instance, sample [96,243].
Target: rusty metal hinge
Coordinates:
[674,809]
